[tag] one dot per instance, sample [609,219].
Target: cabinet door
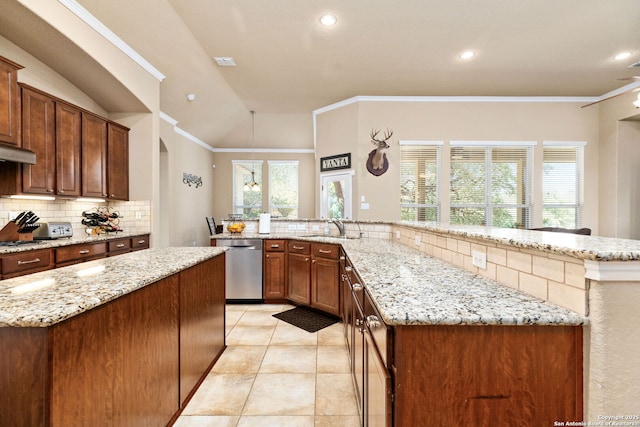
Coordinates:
[325,288]
[357,352]
[68,125]
[377,407]
[9,103]
[94,156]
[38,135]
[274,275]
[299,280]
[118,162]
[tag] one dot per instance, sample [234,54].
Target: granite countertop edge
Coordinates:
[62,293]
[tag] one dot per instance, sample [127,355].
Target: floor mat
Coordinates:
[303,318]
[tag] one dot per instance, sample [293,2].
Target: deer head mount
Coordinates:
[377,163]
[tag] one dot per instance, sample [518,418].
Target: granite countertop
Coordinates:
[66,241]
[411,288]
[46,298]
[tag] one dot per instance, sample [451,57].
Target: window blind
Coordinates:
[562,186]
[490,185]
[419,181]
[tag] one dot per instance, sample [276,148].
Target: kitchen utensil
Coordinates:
[19,217]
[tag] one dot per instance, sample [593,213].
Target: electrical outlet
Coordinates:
[417,240]
[479,260]
[315,228]
[13,215]
[397,234]
[138,215]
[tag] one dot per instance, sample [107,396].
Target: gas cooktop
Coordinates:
[19,242]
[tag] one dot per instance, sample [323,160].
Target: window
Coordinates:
[419,183]
[283,189]
[490,184]
[562,185]
[247,201]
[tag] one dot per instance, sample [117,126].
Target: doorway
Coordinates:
[335,194]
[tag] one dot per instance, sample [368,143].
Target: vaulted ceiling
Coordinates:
[290,64]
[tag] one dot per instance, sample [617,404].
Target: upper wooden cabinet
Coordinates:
[68,142]
[117,162]
[9,103]
[38,135]
[94,156]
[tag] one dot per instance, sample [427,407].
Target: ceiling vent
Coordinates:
[225,61]
[636,65]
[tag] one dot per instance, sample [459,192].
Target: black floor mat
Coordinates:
[306,319]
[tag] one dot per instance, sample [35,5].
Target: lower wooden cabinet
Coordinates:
[74,254]
[299,272]
[28,262]
[325,275]
[274,270]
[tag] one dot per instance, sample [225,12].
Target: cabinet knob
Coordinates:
[306,259]
[61,191]
[348,268]
[50,190]
[373,322]
[356,287]
[266,256]
[113,195]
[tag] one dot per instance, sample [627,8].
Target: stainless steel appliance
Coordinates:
[53,230]
[243,270]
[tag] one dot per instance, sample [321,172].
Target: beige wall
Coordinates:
[450,121]
[222,187]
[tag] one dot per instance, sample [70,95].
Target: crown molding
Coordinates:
[110,36]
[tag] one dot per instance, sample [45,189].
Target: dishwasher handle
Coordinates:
[242,247]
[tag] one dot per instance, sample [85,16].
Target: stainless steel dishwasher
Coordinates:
[243,270]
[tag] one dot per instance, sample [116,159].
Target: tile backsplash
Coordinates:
[135,215]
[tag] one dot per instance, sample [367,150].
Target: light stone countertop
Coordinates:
[46,298]
[66,241]
[411,288]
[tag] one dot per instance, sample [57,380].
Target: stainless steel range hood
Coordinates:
[18,155]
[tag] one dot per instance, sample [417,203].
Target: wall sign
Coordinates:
[331,163]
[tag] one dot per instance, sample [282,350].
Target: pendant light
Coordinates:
[252,185]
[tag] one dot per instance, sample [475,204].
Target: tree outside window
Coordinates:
[283,189]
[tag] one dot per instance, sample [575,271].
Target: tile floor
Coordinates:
[274,374]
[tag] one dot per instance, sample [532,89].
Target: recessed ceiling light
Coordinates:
[467,55]
[191,97]
[225,61]
[328,20]
[622,55]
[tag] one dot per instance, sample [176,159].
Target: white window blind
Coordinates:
[419,181]
[283,189]
[247,203]
[562,186]
[490,185]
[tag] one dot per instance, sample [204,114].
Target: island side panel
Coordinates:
[118,364]
[488,375]
[23,377]
[202,327]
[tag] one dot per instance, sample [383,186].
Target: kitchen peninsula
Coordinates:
[121,340]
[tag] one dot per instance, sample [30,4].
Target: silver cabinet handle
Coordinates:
[298,247]
[342,258]
[142,242]
[356,287]
[322,251]
[120,245]
[84,251]
[275,246]
[348,268]
[29,262]
[373,322]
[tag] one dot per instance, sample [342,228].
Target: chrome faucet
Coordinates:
[340,226]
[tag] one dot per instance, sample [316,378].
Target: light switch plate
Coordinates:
[479,260]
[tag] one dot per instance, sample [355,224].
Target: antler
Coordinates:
[387,134]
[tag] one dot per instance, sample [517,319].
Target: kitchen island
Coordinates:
[117,341]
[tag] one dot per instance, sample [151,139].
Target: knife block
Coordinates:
[10,233]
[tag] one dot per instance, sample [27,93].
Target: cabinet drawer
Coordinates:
[140,242]
[26,262]
[274,246]
[298,247]
[80,252]
[380,332]
[120,245]
[324,250]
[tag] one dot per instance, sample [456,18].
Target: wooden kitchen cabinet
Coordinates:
[117,162]
[325,275]
[9,103]
[68,146]
[299,272]
[275,269]
[140,242]
[75,254]
[21,263]
[94,156]
[38,135]
[119,246]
